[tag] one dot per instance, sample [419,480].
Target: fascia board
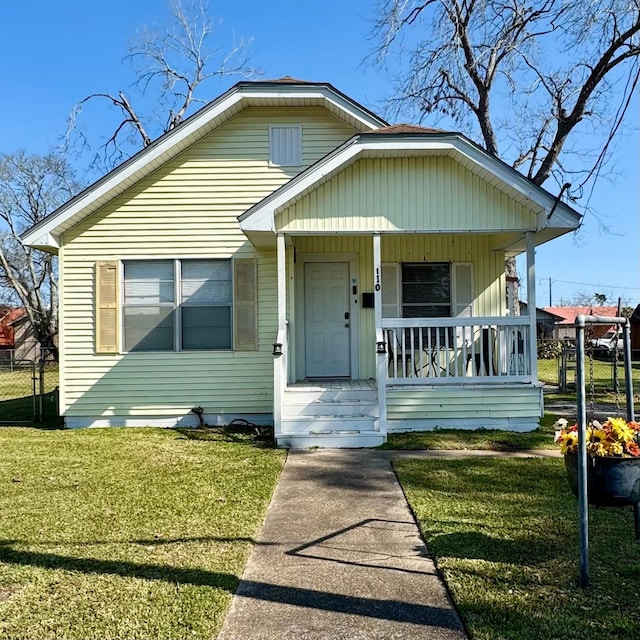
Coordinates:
[504,173]
[127,171]
[567,218]
[323,93]
[263,217]
[133,171]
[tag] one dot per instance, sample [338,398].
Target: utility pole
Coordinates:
[550,304]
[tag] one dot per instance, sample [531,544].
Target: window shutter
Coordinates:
[107,313]
[462,303]
[245,304]
[390,291]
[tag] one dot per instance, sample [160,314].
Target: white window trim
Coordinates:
[177,293]
[453,302]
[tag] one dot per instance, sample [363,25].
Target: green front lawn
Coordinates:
[603,382]
[504,533]
[491,439]
[125,533]
[19,403]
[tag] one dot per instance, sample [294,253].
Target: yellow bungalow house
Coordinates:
[285,255]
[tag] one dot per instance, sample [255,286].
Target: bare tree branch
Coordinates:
[554,67]
[464,52]
[171,64]
[31,187]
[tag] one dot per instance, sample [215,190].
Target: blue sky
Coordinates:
[55,53]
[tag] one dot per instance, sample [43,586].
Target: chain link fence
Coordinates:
[557,366]
[28,390]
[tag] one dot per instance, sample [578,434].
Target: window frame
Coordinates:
[176,305]
[454,301]
[435,263]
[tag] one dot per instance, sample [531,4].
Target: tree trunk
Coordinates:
[513,282]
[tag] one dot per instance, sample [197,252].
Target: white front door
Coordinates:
[327,322]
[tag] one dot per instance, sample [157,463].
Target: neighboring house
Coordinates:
[565,329]
[545,321]
[17,339]
[286,255]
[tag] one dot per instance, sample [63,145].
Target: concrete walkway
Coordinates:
[340,557]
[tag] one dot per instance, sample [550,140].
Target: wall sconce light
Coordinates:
[277,349]
[381,347]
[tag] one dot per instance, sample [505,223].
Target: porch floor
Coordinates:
[333,384]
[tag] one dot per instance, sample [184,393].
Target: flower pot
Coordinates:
[611,482]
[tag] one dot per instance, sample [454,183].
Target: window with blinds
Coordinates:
[427,290]
[149,305]
[177,305]
[206,304]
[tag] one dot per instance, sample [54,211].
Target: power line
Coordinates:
[591,284]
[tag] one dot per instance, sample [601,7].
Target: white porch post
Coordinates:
[531,304]
[280,361]
[381,357]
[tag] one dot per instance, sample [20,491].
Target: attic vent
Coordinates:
[285,146]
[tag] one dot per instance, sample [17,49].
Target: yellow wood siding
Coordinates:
[464,404]
[416,193]
[187,208]
[488,272]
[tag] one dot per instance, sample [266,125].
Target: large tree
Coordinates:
[31,187]
[170,65]
[544,84]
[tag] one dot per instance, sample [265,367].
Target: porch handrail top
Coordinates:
[407,323]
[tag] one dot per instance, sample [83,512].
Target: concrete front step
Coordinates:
[306,424]
[342,439]
[345,408]
[330,395]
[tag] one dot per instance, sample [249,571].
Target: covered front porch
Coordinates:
[390,267]
[348,367]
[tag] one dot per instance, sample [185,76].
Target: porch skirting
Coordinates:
[504,424]
[511,407]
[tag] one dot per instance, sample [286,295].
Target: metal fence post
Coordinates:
[582,453]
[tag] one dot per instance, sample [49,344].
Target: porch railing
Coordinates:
[457,350]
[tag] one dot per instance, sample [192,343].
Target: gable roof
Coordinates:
[406,128]
[285,91]
[7,333]
[541,313]
[554,217]
[569,314]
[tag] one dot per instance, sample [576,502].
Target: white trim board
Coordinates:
[47,233]
[261,217]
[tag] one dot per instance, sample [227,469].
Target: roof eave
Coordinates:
[552,214]
[164,147]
